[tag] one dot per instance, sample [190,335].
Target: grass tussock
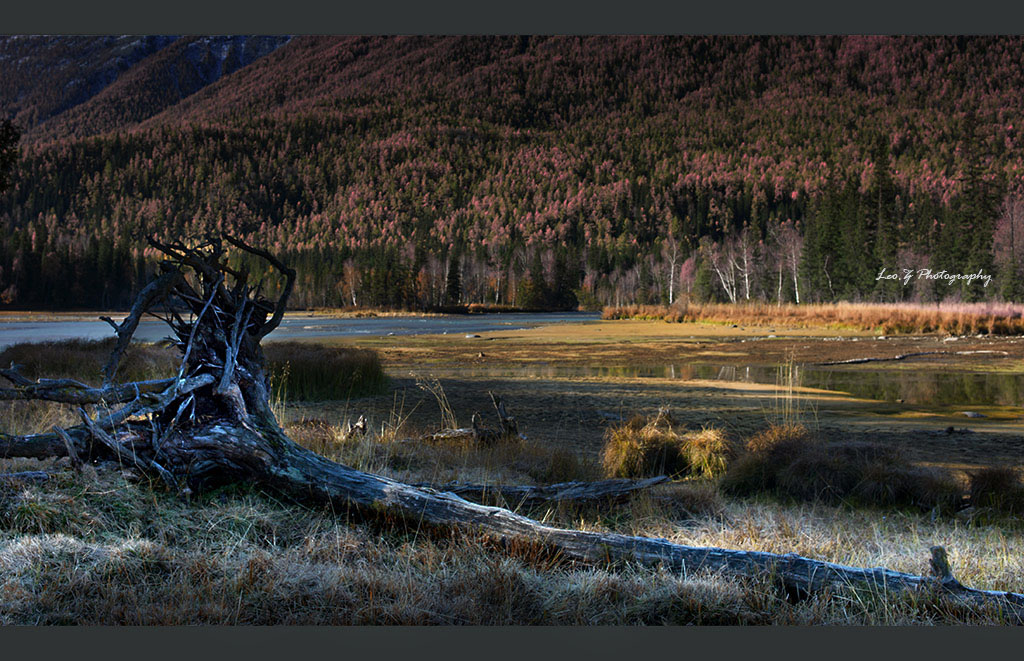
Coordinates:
[886,318]
[787,461]
[644,447]
[998,489]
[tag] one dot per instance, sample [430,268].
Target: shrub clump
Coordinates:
[660,446]
[786,461]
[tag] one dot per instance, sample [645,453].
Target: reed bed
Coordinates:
[885,318]
[300,371]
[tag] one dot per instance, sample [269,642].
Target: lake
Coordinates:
[297,327]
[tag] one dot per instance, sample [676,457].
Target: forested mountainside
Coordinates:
[529,171]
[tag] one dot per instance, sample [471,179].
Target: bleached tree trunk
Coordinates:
[723,264]
[670,253]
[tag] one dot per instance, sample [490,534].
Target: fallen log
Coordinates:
[213,425]
[345,487]
[9,479]
[602,490]
[902,356]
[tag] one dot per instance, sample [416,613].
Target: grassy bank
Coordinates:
[298,371]
[102,548]
[885,318]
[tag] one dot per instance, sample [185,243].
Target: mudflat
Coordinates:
[951,401]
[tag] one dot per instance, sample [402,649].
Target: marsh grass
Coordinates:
[787,461]
[645,447]
[998,489]
[887,318]
[93,548]
[436,390]
[96,548]
[404,452]
[312,372]
[84,360]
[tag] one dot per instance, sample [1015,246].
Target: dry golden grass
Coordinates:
[659,445]
[92,548]
[886,318]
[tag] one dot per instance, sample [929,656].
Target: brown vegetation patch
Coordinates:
[997,488]
[890,319]
[789,462]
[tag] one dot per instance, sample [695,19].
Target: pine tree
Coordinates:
[9,135]
[453,283]
[882,209]
[977,208]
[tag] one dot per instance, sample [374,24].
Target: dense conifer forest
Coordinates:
[536,172]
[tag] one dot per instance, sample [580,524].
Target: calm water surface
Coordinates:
[297,327]
[915,387]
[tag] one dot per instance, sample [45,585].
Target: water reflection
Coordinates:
[918,387]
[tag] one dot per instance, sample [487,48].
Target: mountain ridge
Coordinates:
[129,90]
[614,166]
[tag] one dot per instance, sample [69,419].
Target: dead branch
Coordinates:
[68,391]
[518,495]
[147,298]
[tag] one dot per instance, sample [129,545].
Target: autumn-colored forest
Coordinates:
[539,172]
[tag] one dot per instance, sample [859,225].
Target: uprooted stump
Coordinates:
[212,425]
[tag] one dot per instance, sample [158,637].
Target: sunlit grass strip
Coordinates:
[887,318]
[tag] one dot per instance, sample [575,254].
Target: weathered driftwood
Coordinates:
[509,428]
[213,424]
[13,479]
[602,490]
[479,433]
[902,356]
